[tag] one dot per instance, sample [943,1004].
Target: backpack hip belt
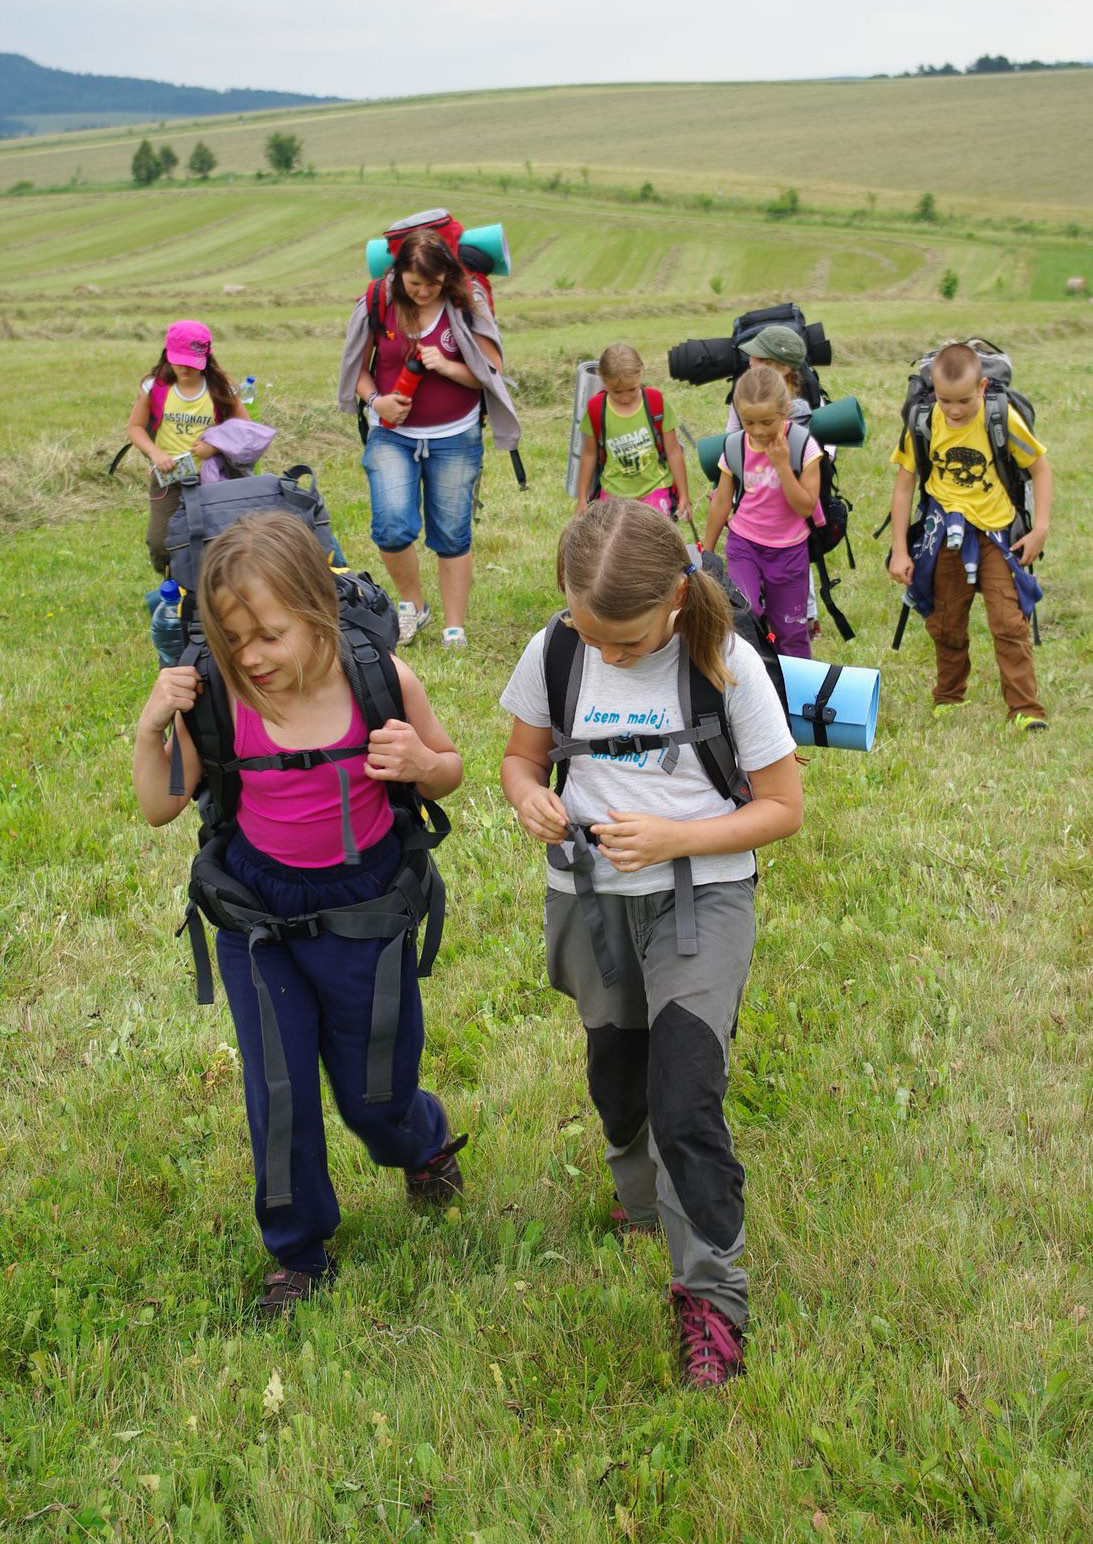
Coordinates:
[415,894]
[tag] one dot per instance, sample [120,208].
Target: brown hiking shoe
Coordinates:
[438,1181]
[285,1288]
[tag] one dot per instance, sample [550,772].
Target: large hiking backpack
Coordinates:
[822,539]
[999,396]
[700,360]
[369,632]
[475,265]
[653,402]
[206,509]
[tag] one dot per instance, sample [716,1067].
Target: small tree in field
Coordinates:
[926,208]
[201,160]
[949,284]
[284,152]
[146,165]
[167,161]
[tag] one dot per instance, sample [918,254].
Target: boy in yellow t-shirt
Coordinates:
[965,501]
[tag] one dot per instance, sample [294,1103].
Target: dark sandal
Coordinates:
[284,1289]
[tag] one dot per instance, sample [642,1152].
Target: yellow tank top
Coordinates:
[184,420]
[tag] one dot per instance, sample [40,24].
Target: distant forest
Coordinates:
[998,64]
[31,91]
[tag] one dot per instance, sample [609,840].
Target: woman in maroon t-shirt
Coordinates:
[424,450]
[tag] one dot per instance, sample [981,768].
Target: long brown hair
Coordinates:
[275,549]
[621,558]
[433,259]
[220,388]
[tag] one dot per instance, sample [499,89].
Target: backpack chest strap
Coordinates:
[620,746]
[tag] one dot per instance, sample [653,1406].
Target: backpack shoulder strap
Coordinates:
[734,460]
[700,701]
[996,416]
[653,401]
[563,668]
[157,401]
[212,731]
[597,417]
[797,436]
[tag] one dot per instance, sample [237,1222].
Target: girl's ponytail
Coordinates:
[704,623]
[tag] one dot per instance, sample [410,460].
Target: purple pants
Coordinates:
[775,581]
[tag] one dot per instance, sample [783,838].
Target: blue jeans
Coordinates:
[404,475]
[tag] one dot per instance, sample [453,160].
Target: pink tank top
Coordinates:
[296,816]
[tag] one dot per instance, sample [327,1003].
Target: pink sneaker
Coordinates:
[711,1348]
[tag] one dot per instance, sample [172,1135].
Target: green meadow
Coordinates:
[912,1086]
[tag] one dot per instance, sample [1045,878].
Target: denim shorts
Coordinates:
[405,474]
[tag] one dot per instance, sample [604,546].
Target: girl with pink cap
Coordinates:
[186,393]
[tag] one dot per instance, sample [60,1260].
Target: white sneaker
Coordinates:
[453,638]
[410,620]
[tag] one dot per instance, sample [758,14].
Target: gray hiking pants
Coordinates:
[658,1061]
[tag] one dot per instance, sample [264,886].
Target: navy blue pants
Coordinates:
[322,989]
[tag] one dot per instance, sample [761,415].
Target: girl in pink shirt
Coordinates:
[269,607]
[766,549]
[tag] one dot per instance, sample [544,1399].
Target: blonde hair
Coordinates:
[762,386]
[956,362]
[275,549]
[621,558]
[619,362]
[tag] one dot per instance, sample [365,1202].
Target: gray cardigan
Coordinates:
[499,408]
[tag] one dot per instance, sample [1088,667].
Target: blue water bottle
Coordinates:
[167,625]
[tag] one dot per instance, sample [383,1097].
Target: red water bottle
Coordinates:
[407,382]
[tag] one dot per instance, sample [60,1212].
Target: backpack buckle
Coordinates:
[303,926]
[810,713]
[299,761]
[622,745]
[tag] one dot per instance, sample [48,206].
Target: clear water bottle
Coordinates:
[248,392]
[167,624]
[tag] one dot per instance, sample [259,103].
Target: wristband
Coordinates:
[368,401]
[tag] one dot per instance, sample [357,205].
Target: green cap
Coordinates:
[780,343]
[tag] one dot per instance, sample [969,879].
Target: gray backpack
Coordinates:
[206,509]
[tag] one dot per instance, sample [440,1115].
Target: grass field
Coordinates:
[912,1086]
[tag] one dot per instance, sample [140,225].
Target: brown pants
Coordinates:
[947,625]
[162,503]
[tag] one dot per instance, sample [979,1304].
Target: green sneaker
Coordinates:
[1028,723]
[944,709]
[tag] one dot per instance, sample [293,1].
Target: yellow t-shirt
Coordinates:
[184,420]
[964,480]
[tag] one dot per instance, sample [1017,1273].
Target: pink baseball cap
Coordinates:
[188,343]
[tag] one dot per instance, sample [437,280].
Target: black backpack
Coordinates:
[816,342]
[822,539]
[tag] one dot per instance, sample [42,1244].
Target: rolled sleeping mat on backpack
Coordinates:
[847,718]
[485,250]
[838,423]
[378,257]
[710,447]
[587,384]
[482,250]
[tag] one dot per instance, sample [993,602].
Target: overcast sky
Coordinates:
[354,48]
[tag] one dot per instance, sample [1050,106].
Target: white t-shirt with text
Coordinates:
[644,696]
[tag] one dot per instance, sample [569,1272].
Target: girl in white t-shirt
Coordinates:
[766,549]
[649,912]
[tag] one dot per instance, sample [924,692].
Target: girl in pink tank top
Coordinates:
[322,975]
